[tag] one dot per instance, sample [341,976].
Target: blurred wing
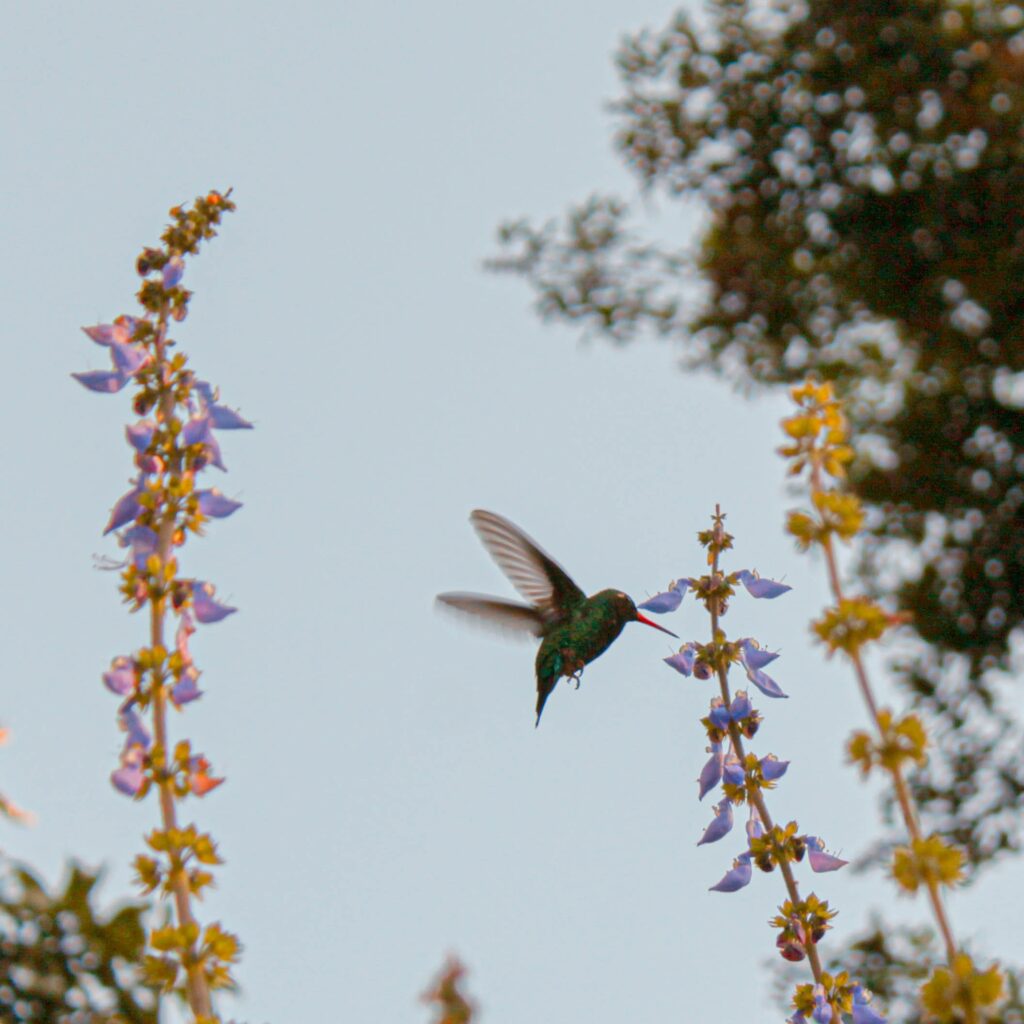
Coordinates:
[507,616]
[537,576]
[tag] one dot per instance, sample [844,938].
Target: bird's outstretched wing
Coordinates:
[537,576]
[507,616]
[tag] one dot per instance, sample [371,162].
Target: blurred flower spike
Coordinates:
[173,437]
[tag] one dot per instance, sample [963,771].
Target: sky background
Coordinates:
[388,799]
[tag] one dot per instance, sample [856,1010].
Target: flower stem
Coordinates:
[197,990]
[755,795]
[903,795]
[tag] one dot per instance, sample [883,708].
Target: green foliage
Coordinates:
[863,168]
[61,962]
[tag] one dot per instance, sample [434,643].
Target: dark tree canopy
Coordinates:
[61,962]
[863,168]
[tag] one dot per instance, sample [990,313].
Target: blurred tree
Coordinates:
[61,963]
[863,169]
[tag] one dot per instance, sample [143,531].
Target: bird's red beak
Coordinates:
[647,622]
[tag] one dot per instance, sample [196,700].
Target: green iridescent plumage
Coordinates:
[574,629]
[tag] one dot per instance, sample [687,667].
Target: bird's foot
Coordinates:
[576,677]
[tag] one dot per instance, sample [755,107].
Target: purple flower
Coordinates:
[126,509]
[128,357]
[733,771]
[819,860]
[215,505]
[740,708]
[711,773]
[140,435]
[121,678]
[206,609]
[683,661]
[822,1011]
[130,777]
[142,541]
[667,601]
[719,715]
[720,825]
[754,654]
[185,690]
[199,430]
[221,416]
[174,269]
[137,734]
[118,333]
[758,587]
[737,878]
[862,1012]
[750,658]
[105,382]
[772,769]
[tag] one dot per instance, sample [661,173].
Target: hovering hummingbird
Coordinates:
[574,629]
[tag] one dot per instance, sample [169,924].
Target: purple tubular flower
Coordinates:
[797,1018]
[737,878]
[819,860]
[755,656]
[766,684]
[121,677]
[862,1011]
[822,1011]
[754,827]
[129,359]
[221,416]
[227,419]
[102,334]
[199,430]
[106,382]
[667,601]
[125,511]
[772,768]
[128,779]
[758,587]
[206,609]
[719,714]
[143,542]
[721,824]
[740,707]
[749,657]
[213,504]
[137,733]
[683,661]
[185,690]
[733,771]
[173,272]
[195,430]
[140,435]
[711,773]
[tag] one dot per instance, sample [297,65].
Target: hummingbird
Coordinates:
[573,629]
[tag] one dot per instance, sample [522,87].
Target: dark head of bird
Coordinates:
[627,611]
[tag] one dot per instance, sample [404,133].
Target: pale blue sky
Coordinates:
[388,799]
